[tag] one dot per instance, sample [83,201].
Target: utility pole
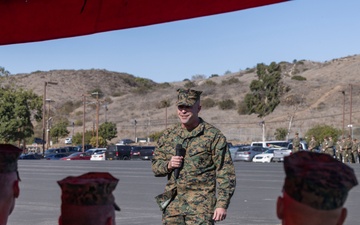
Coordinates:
[343,122]
[97,117]
[43,113]
[350,123]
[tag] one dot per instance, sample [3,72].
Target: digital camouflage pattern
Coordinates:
[90,189]
[9,155]
[296,142]
[312,144]
[347,150]
[317,180]
[329,147]
[187,97]
[207,161]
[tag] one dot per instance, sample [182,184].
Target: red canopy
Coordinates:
[37,20]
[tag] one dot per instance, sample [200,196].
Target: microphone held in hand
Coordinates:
[179,152]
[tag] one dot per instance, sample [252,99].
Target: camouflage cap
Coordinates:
[317,180]
[187,97]
[9,155]
[89,189]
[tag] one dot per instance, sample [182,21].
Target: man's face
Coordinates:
[188,115]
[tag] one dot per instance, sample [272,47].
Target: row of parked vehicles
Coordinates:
[268,151]
[112,152]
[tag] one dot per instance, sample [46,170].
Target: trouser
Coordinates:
[347,156]
[199,219]
[329,151]
[339,156]
[355,155]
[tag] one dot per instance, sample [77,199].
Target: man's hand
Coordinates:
[175,162]
[219,214]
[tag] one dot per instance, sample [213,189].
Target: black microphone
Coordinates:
[179,152]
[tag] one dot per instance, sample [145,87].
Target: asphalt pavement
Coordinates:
[254,201]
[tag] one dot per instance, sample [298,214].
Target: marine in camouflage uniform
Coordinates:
[312,144]
[330,147]
[88,199]
[347,150]
[315,189]
[9,177]
[355,151]
[324,145]
[338,149]
[296,142]
[207,168]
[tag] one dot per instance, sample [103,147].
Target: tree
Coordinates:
[321,131]
[108,131]
[16,110]
[266,90]
[280,133]
[102,142]
[59,130]
[4,72]
[77,139]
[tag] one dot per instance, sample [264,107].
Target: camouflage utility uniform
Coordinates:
[329,147]
[347,150]
[207,161]
[355,151]
[296,143]
[312,145]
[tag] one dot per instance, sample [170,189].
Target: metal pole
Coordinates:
[97,119]
[43,119]
[343,123]
[350,131]
[83,136]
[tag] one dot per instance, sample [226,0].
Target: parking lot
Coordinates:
[258,186]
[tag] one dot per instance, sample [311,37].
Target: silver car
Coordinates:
[247,153]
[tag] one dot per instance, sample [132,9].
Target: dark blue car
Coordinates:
[55,156]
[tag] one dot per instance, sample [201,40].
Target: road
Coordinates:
[258,186]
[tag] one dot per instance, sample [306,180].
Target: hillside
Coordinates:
[317,100]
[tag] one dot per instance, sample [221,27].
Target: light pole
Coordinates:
[97,117]
[48,123]
[350,131]
[43,113]
[343,122]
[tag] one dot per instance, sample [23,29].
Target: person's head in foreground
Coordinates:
[315,189]
[88,199]
[9,180]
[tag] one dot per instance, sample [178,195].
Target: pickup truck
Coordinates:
[280,153]
[146,152]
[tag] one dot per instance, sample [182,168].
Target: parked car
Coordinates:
[55,156]
[279,154]
[86,147]
[30,156]
[50,151]
[135,151]
[77,156]
[68,140]
[98,156]
[147,152]
[271,144]
[94,150]
[118,152]
[265,157]
[126,141]
[233,149]
[247,153]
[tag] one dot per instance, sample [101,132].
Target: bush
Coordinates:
[209,83]
[242,108]
[321,131]
[281,133]
[227,104]
[298,77]
[230,81]
[213,75]
[189,84]
[208,103]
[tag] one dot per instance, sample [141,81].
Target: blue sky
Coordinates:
[317,30]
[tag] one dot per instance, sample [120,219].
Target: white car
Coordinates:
[68,141]
[265,157]
[98,156]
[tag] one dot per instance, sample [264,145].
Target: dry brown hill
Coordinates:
[317,100]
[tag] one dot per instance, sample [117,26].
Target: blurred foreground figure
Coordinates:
[88,199]
[315,190]
[9,180]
